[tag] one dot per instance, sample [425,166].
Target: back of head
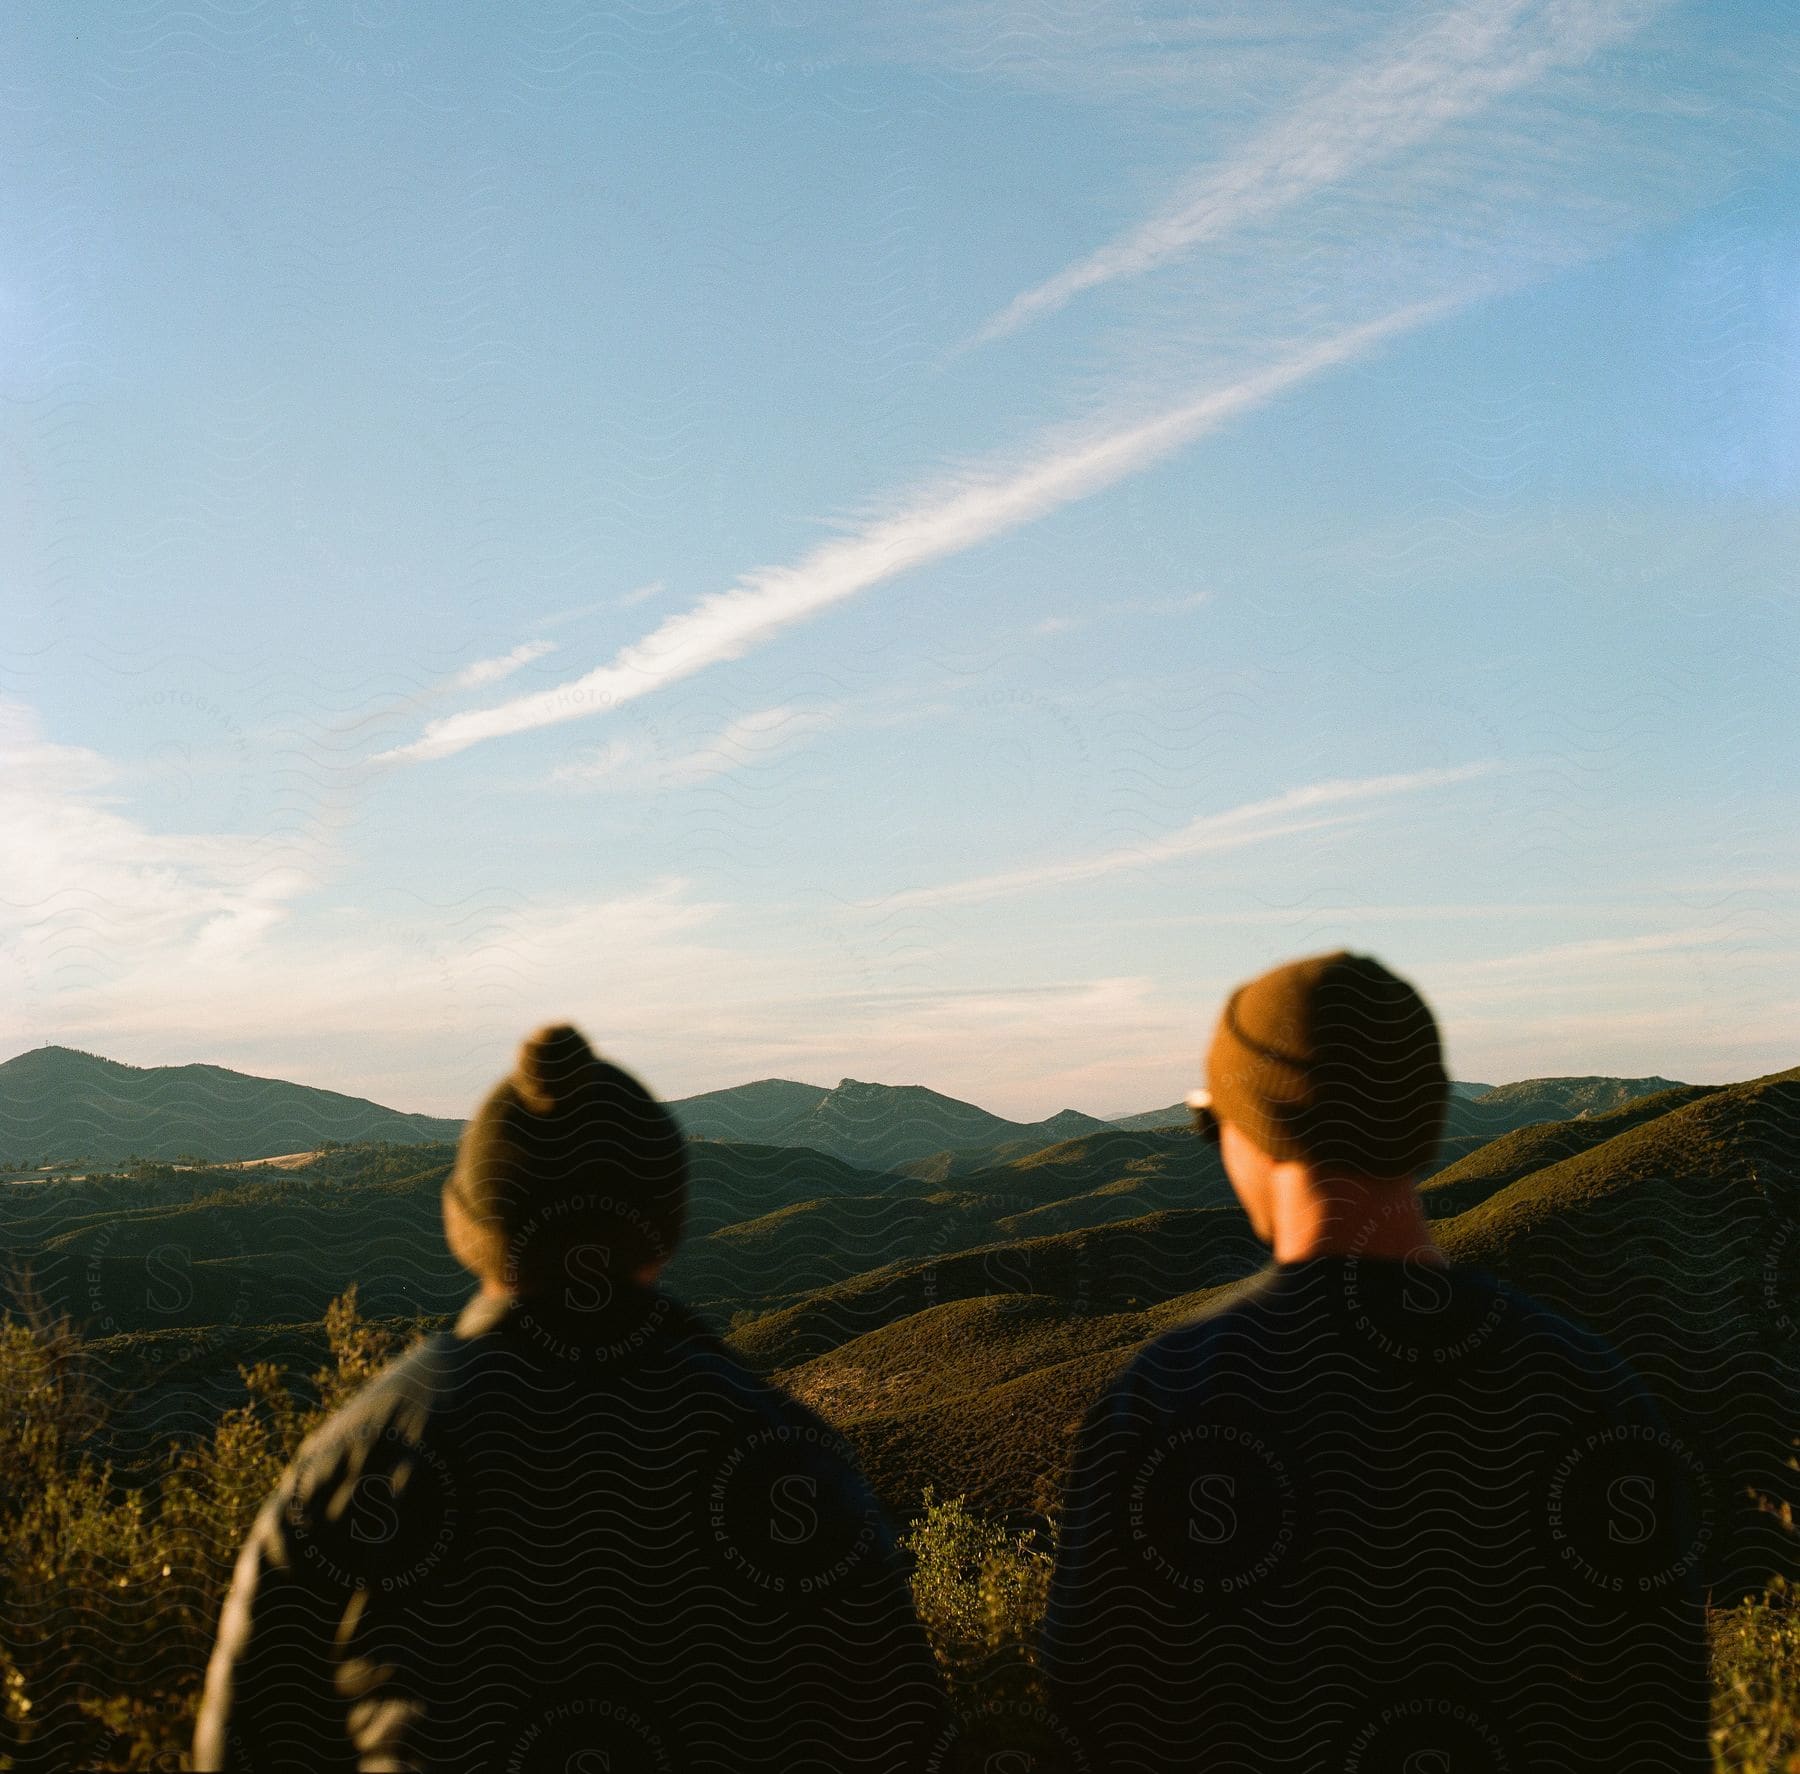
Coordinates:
[1332,1061]
[570,1151]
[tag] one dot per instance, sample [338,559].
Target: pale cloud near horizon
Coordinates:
[933,526]
[1307,809]
[1419,86]
[417,1012]
[166,948]
[85,883]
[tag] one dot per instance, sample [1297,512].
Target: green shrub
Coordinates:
[1756,1684]
[980,1592]
[111,1595]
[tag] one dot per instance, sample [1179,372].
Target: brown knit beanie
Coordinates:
[1332,1060]
[569,1150]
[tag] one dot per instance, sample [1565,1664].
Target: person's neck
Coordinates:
[1325,1214]
[493,1288]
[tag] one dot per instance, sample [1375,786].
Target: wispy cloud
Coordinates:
[1560,959]
[1420,86]
[756,738]
[979,508]
[1311,808]
[491,671]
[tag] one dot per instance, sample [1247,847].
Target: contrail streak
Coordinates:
[1316,806]
[1454,69]
[730,623]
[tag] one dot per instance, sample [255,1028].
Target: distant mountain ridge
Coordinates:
[61,1103]
[1488,1110]
[879,1126]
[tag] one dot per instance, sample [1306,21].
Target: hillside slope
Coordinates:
[1671,1227]
[58,1103]
[1679,1241]
[1495,1163]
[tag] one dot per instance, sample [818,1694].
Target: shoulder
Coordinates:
[1593,1372]
[763,1401]
[1159,1383]
[1537,1327]
[387,1421]
[1233,1315]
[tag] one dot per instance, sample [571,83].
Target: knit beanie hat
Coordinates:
[570,1150]
[1332,1060]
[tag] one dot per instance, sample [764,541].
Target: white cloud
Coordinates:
[419,1011]
[755,738]
[978,508]
[751,739]
[88,890]
[1307,809]
[1423,84]
[491,671]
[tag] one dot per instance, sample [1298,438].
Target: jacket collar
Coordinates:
[632,1314]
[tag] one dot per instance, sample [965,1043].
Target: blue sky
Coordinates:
[921,550]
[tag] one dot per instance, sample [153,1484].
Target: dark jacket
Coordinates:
[1377,1516]
[542,1535]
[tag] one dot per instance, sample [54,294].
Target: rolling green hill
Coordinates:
[958,1328]
[1563,1099]
[1671,1226]
[1491,1164]
[1096,1271]
[884,1126]
[58,1103]
[755,1112]
[1678,1240]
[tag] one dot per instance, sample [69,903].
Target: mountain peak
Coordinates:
[63,1102]
[54,1054]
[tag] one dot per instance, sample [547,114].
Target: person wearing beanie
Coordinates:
[1370,1511]
[574,1531]
[567,1152]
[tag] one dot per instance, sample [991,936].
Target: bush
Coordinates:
[980,1592]
[1756,1684]
[111,1596]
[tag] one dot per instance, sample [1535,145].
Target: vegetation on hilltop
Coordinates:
[1492,1164]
